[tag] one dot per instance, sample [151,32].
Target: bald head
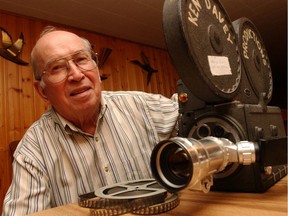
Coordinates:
[55,44]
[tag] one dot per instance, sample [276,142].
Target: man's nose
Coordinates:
[74,74]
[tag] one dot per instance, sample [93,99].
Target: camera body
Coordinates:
[237,121]
[224,88]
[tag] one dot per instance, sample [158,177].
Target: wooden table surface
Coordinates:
[271,203]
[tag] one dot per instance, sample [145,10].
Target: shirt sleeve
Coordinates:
[29,190]
[164,114]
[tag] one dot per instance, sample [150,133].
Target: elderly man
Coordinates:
[88,138]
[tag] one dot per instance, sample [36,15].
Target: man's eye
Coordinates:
[81,60]
[56,68]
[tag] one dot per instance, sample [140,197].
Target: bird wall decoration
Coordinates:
[10,50]
[145,66]
[102,58]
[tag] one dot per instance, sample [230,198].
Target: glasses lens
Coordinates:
[57,70]
[84,61]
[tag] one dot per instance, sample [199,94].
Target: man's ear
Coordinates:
[40,90]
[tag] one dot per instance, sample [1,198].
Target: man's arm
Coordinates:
[29,190]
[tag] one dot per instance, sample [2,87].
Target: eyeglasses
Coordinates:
[57,70]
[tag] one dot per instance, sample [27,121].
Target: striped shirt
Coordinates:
[55,161]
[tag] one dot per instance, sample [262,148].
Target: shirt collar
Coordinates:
[70,127]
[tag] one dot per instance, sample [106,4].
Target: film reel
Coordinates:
[171,201]
[258,79]
[142,197]
[203,46]
[130,190]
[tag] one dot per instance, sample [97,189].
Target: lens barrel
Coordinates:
[180,162]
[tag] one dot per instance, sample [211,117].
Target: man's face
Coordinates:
[81,90]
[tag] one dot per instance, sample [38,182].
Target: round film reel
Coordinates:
[143,197]
[131,189]
[255,59]
[203,46]
[171,201]
[127,206]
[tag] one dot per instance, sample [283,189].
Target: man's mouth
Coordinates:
[79,91]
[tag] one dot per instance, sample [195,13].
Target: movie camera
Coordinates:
[229,138]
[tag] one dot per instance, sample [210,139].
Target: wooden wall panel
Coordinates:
[20,105]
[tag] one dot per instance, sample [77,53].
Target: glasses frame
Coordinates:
[92,55]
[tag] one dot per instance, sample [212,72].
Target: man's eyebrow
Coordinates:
[63,57]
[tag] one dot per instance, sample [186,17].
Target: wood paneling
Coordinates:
[20,106]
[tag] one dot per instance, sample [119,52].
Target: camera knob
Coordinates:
[246,152]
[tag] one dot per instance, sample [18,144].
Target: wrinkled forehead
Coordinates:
[57,44]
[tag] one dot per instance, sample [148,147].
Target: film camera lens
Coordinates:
[171,164]
[181,162]
[174,164]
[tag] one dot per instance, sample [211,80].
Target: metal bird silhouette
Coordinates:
[10,50]
[145,66]
[103,56]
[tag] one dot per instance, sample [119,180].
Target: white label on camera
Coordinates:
[219,65]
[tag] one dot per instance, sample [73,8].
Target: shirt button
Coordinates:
[106,169]
[96,139]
